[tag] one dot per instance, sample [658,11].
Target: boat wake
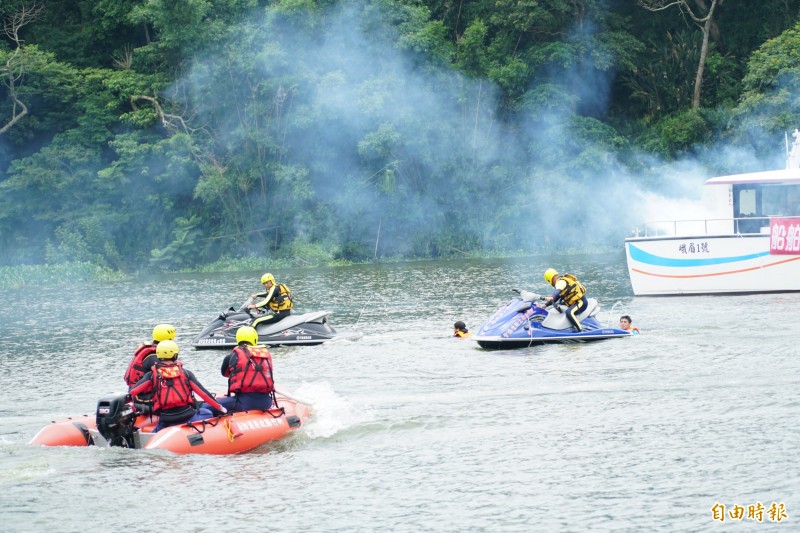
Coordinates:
[331,413]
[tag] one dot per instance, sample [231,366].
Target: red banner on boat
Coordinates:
[784,236]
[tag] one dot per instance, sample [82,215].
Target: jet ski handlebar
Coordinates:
[244,309]
[528,296]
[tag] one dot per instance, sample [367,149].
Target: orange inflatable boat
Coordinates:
[117,423]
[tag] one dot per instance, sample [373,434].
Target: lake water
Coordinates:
[414,430]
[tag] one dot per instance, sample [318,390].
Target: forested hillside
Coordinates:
[168,134]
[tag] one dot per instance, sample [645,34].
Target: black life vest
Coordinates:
[253,370]
[171,387]
[136,367]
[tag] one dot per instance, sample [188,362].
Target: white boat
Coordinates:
[749,244]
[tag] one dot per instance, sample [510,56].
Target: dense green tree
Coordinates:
[770,100]
[702,14]
[158,134]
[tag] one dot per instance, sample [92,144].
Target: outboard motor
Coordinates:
[115,420]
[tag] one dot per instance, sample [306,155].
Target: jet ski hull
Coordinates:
[295,330]
[499,343]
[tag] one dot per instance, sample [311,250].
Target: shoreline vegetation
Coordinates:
[19,276]
[13,277]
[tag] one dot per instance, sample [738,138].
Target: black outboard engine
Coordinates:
[115,420]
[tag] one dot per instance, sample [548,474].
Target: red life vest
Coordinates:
[135,368]
[171,387]
[253,370]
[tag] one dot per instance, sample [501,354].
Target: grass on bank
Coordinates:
[38,275]
[76,272]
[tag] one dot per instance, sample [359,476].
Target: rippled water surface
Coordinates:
[414,430]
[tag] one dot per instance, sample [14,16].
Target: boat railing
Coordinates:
[705,227]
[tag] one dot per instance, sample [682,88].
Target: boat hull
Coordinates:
[77,431]
[233,433]
[226,435]
[716,264]
[70,432]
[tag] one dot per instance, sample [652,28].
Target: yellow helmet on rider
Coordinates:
[247,334]
[549,274]
[163,332]
[267,277]
[167,349]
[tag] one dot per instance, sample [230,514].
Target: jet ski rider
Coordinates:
[571,292]
[277,298]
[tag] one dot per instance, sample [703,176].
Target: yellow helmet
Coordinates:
[267,277]
[163,332]
[247,334]
[549,274]
[167,349]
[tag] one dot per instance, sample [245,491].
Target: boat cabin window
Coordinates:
[759,201]
[781,200]
[747,203]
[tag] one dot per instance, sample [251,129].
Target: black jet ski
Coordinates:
[297,330]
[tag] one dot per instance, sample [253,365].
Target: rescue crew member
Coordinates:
[277,300]
[143,360]
[571,292]
[626,324]
[249,371]
[173,387]
[460,330]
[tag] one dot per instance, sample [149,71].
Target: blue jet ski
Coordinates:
[525,321]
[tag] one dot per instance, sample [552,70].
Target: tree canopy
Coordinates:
[165,135]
